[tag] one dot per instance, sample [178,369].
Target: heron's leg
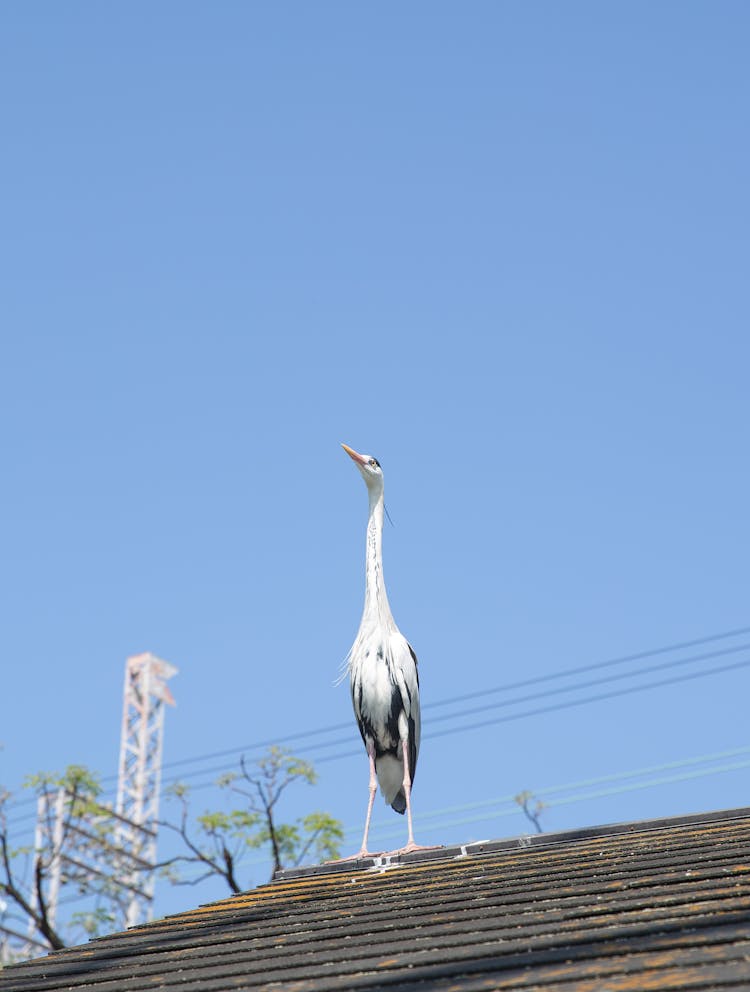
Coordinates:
[407,790]
[363,852]
[410,844]
[373,789]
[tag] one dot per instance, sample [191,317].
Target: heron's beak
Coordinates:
[354,455]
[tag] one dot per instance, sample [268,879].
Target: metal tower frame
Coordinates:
[48,836]
[75,848]
[116,846]
[139,780]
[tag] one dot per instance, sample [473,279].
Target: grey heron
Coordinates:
[383,674]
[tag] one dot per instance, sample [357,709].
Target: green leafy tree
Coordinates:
[218,840]
[78,848]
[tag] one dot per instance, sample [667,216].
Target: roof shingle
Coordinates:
[654,905]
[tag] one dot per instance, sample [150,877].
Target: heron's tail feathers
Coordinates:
[390,772]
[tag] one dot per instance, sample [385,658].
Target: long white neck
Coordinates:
[376,599]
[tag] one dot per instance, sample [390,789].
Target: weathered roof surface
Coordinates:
[654,905]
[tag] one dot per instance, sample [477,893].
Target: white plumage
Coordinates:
[385,697]
[383,674]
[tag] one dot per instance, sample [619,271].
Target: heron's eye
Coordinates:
[374,463]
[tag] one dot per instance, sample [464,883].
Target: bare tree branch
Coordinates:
[524,799]
[79,839]
[38,914]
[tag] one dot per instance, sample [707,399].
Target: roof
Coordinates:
[655,905]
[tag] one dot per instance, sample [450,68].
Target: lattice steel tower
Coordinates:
[146,693]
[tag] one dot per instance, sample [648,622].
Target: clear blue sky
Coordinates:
[501,246]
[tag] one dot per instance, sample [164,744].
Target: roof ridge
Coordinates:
[384,862]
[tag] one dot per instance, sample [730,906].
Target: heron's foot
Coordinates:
[363,853]
[411,846]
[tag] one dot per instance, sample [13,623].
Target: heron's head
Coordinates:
[369,468]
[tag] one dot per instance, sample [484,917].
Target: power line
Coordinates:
[453,730]
[560,795]
[599,697]
[492,690]
[684,769]
[356,752]
[584,796]
[553,707]
[507,718]
[675,663]
[338,742]
[702,759]
[580,669]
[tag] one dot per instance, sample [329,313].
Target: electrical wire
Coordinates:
[315,749]
[639,773]
[553,796]
[340,743]
[356,752]
[604,786]
[581,669]
[492,690]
